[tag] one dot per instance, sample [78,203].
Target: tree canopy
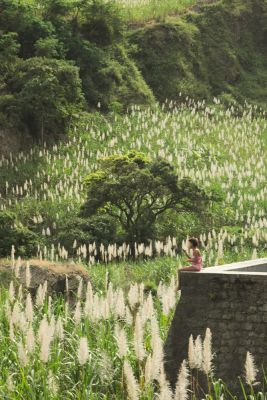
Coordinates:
[135,191]
[54,53]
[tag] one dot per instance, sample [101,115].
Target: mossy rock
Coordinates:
[54,273]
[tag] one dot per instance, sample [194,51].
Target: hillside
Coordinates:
[222,151]
[218,50]
[59,59]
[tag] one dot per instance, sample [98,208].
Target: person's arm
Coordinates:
[186,253]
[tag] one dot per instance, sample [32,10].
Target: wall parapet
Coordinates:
[231,300]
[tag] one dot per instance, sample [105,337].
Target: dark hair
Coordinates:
[194,242]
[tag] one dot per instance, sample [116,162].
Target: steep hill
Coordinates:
[218,49]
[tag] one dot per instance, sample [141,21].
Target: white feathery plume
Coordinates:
[49,308]
[44,288]
[149,310]
[11,330]
[77,313]
[29,308]
[88,306]
[22,355]
[119,304]
[141,293]
[139,338]
[128,316]
[67,284]
[121,339]
[45,337]
[191,353]
[39,297]
[157,348]
[110,295]
[11,292]
[15,315]
[83,351]
[43,327]
[250,369]
[22,324]
[20,294]
[59,329]
[52,325]
[133,296]
[80,288]
[28,275]
[30,340]
[148,370]
[198,352]
[181,390]
[45,347]
[132,385]
[165,389]
[207,366]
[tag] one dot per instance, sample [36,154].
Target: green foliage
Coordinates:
[101,23]
[135,191]
[195,142]
[139,12]
[14,233]
[45,94]
[77,231]
[39,94]
[49,47]
[198,55]
[203,55]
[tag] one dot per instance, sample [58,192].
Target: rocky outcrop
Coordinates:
[41,271]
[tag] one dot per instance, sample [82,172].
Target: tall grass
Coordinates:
[146,10]
[218,148]
[107,344]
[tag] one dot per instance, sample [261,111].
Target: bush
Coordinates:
[13,233]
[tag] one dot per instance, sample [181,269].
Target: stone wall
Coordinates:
[232,301]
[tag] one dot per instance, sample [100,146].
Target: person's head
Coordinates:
[193,243]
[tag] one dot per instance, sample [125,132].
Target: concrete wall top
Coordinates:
[250,267]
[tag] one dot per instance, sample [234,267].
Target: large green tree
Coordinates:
[46,94]
[135,191]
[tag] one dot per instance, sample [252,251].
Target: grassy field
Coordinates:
[109,346]
[146,10]
[219,149]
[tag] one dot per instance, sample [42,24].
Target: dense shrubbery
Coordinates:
[54,54]
[219,51]
[13,233]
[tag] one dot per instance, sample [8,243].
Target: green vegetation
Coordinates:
[140,11]
[73,70]
[60,58]
[134,192]
[108,344]
[208,53]
[47,194]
